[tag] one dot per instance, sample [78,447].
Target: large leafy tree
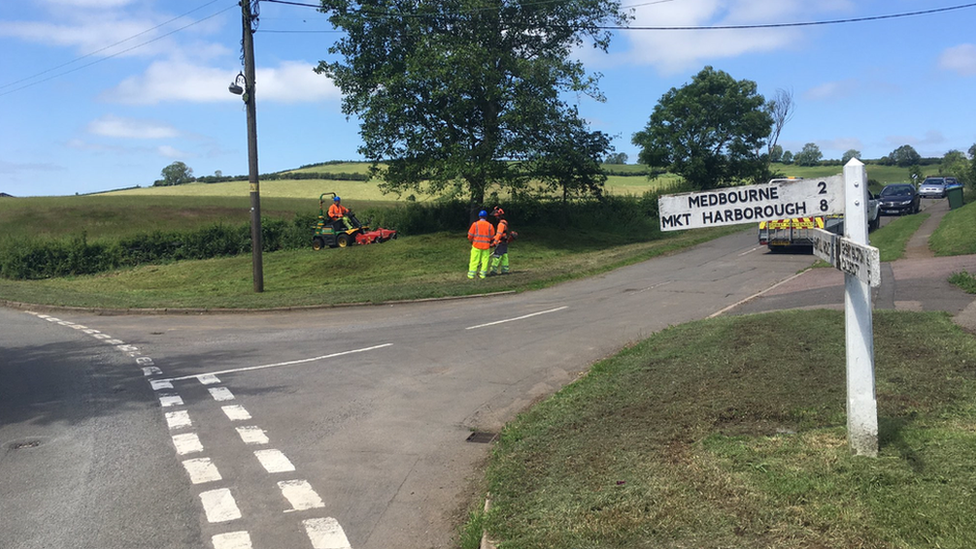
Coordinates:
[954,163]
[462,96]
[176,173]
[904,156]
[708,131]
[810,155]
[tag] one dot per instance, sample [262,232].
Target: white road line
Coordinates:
[280,364]
[114,342]
[158,384]
[201,470]
[252,435]
[51,319]
[326,533]
[755,295]
[232,540]
[274,461]
[144,361]
[178,419]
[66,323]
[300,494]
[236,412]
[170,400]
[187,443]
[151,371]
[127,348]
[79,327]
[100,335]
[91,331]
[219,505]
[208,379]
[221,394]
[747,252]
[517,318]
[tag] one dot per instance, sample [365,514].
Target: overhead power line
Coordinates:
[116,54]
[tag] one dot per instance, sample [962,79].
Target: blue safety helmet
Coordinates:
[335,198]
[482,213]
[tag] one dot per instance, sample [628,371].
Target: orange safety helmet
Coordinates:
[498,212]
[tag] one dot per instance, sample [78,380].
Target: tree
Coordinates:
[851,153]
[708,131]
[776,153]
[904,156]
[571,163]
[972,165]
[809,156]
[787,157]
[176,173]
[617,158]
[781,109]
[459,98]
[916,173]
[955,164]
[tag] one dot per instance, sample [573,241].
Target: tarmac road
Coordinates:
[331,428]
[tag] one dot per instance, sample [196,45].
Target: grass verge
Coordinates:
[964,280]
[731,433]
[425,266]
[955,234]
[892,239]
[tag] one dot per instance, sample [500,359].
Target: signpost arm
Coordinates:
[862,406]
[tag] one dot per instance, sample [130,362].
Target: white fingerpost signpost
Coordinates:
[861,264]
[862,406]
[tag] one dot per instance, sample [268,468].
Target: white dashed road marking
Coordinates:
[252,435]
[232,540]
[523,317]
[219,505]
[300,494]
[208,379]
[236,412]
[158,384]
[274,461]
[221,394]
[201,470]
[170,400]
[290,363]
[179,419]
[326,533]
[187,443]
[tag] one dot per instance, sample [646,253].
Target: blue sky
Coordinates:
[103,94]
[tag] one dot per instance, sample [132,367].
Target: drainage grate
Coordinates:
[481,438]
[28,444]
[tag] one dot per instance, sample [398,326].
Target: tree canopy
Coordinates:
[463,96]
[708,131]
[851,153]
[176,173]
[904,156]
[809,156]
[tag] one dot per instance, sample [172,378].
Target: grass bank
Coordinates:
[424,266]
[720,434]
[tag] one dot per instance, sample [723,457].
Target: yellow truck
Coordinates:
[780,234]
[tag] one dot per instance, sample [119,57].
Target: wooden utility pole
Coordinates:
[252,147]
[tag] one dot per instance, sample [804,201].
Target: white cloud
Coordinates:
[113,126]
[167,151]
[290,82]
[960,59]
[673,51]
[833,90]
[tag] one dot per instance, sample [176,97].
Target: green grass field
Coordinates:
[719,434]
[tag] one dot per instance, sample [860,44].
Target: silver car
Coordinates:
[933,187]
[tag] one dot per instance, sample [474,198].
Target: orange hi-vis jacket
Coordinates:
[501,234]
[337,211]
[480,234]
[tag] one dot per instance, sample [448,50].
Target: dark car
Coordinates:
[935,187]
[900,198]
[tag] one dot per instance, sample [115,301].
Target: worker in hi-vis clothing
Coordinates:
[499,258]
[480,234]
[338,211]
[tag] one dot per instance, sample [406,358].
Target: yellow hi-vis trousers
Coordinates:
[479,262]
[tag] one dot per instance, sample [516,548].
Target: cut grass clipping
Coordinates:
[731,433]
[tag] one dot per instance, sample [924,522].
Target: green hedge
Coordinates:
[628,218]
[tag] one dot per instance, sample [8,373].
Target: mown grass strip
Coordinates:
[731,433]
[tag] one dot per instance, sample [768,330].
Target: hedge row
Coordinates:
[29,258]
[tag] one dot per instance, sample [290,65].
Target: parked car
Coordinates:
[935,187]
[899,199]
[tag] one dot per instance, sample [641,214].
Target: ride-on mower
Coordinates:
[333,232]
